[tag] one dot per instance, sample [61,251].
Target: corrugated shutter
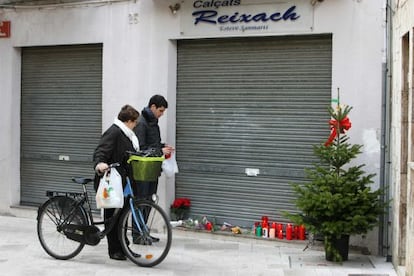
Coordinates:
[249,103]
[60,117]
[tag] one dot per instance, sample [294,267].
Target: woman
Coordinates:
[115,141]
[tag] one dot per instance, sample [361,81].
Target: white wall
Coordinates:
[139,60]
[358,53]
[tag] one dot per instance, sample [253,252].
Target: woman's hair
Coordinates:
[128,113]
[159,101]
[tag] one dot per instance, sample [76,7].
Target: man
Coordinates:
[149,137]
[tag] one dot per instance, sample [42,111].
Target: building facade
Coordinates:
[401,134]
[248,85]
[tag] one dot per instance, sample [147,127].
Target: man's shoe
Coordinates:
[117,256]
[148,241]
[138,240]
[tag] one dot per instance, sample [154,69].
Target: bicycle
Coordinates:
[65,224]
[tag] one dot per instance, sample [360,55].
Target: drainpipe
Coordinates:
[384,239]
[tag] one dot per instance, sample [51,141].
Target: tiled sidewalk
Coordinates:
[192,253]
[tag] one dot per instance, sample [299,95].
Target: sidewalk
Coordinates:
[191,253]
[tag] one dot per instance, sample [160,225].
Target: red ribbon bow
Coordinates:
[342,125]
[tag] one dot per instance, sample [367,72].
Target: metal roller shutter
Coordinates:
[249,103]
[60,117]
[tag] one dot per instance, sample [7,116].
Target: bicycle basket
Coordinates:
[145,168]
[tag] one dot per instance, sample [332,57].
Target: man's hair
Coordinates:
[128,113]
[159,101]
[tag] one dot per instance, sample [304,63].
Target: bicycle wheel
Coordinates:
[148,244]
[50,218]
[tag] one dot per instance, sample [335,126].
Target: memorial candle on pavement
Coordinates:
[265,230]
[302,232]
[272,231]
[265,220]
[209,226]
[296,232]
[278,227]
[280,231]
[289,231]
[259,230]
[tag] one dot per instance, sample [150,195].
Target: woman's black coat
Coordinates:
[112,148]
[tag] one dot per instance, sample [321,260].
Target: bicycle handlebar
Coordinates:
[113,165]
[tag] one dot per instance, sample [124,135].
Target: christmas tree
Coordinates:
[337,201]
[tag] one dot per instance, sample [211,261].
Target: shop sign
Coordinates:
[4,29]
[245,17]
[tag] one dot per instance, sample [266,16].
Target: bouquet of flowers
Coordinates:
[180,208]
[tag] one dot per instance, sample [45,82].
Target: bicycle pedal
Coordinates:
[154,239]
[135,255]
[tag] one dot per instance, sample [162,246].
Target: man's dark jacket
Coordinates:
[148,131]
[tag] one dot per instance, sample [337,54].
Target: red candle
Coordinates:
[209,226]
[280,234]
[295,232]
[279,227]
[265,220]
[289,231]
[302,232]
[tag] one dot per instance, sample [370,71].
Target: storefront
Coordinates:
[248,112]
[248,84]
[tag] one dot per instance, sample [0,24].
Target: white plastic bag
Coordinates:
[169,166]
[110,193]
